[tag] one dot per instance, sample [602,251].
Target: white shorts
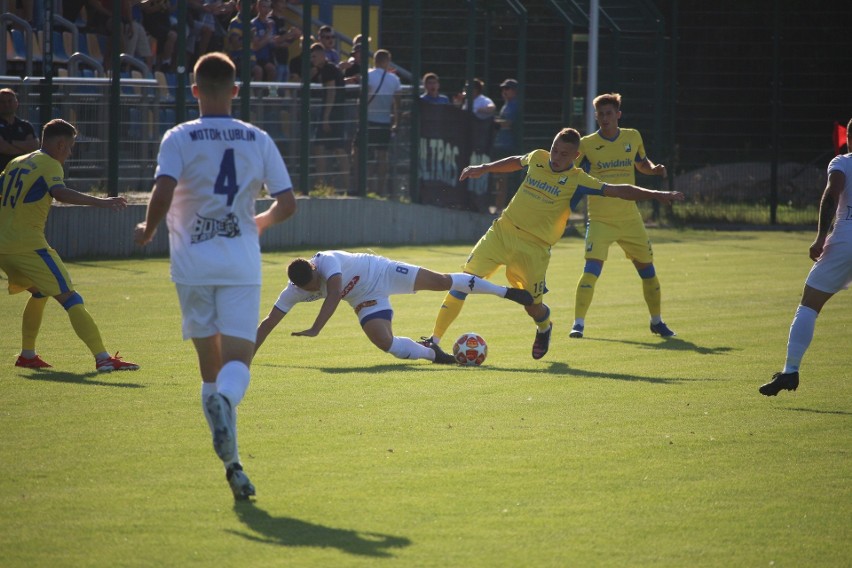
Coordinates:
[396,278]
[833,271]
[229,310]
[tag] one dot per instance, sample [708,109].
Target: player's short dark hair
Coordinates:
[58,128]
[382,56]
[317,47]
[569,136]
[300,272]
[613,99]
[215,73]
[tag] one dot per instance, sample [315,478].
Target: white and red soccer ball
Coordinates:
[470,350]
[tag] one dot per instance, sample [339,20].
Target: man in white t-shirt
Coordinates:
[365,281]
[831,273]
[383,101]
[209,173]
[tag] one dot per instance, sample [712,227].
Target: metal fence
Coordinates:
[148,109]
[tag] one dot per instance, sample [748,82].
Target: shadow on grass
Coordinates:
[670,344]
[553,368]
[819,411]
[75,378]
[286,531]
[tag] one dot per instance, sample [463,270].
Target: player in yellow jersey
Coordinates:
[520,239]
[612,154]
[28,186]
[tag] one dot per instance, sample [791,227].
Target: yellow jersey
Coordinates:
[545,198]
[613,161]
[25,201]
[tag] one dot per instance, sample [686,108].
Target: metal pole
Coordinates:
[776,113]
[245,61]
[180,64]
[305,96]
[416,72]
[592,83]
[46,94]
[364,98]
[113,136]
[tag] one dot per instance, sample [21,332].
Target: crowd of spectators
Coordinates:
[150,32]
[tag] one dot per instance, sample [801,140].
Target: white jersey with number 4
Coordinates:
[220,164]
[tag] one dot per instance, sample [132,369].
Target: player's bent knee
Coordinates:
[71,299]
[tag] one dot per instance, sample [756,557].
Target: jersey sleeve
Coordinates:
[169,160]
[640,148]
[525,160]
[327,265]
[289,297]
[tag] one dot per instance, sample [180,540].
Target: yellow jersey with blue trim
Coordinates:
[612,161]
[545,198]
[25,201]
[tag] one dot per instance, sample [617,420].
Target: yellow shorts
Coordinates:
[41,269]
[630,235]
[525,257]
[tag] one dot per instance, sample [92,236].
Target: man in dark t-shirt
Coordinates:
[17,136]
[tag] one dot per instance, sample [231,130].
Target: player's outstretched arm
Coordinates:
[281,209]
[158,206]
[74,197]
[636,193]
[267,325]
[504,166]
[334,288]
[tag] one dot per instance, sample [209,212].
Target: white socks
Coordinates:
[405,348]
[470,284]
[232,381]
[801,334]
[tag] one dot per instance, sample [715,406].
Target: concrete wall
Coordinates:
[87,232]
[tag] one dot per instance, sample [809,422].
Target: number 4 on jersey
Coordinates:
[226,181]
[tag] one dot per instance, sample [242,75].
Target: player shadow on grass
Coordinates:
[669,344]
[818,411]
[52,376]
[560,368]
[286,531]
[368,369]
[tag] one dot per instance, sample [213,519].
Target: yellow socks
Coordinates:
[450,310]
[585,293]
[31,322]
[83,324]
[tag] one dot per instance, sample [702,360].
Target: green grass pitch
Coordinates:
[620,449]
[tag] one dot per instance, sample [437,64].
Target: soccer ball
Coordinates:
[470,350]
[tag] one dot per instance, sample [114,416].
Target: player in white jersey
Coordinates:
[365,281]
[831,272]
[209,173]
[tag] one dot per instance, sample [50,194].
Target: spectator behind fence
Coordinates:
[136,41]
[382,117]
[328,41]
[504,140]
[157,20]
[235,47]
[432,84]
[263,39]
[17,136]
[483,107]
[329,117]
[285,35]
[352,67]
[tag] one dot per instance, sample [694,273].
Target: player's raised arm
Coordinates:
[504,166]
[636,193]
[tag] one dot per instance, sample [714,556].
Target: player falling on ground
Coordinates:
[613,155]
[365,281]
[520,239]
[28,186]
[831,273]
[209,173]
